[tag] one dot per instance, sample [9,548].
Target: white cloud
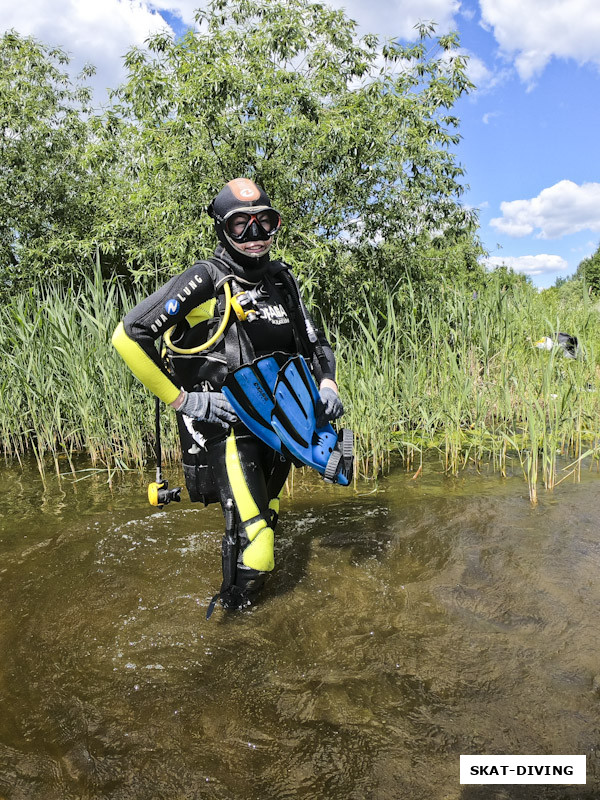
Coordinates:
[559,210]
[542,264]
[534,31]
[489,116]
[99,33]
[477,71]
[397,18]
[102,32]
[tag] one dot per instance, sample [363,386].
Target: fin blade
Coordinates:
[251,398]
[295,413]
[250,388]
[294,407]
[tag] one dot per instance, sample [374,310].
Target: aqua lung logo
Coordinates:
[173,305]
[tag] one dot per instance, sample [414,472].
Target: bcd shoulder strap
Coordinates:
[310,345]
[238,347]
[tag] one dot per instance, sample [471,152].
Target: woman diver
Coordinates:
[205,343]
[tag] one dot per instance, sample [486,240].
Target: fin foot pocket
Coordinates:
[333,465]
[340,466]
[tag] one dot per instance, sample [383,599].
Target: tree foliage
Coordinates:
[352,137]
[45,212]
[353,140]
[589,271]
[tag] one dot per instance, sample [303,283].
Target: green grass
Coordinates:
[453,374]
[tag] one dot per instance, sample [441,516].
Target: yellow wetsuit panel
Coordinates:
[202,313]
[143,367]
[259,554]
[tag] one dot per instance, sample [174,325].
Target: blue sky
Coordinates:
[529,131]
[533,139]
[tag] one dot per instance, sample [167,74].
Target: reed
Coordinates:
[458,373]
[453,373]
[64,389]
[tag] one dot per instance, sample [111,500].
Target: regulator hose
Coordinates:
[219,332]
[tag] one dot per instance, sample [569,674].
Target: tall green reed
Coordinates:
[458,373]
[64,388]
[451,373]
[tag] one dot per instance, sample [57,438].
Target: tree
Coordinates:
[352,139]
[45,194]
[589,271]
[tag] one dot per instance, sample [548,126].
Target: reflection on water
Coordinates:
[400,629]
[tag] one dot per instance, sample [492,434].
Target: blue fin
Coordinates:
[294,420]
[249,389]
[276,398]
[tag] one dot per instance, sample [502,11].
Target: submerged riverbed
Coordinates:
[400,628]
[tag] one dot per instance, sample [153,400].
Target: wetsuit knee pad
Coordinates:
[259,553]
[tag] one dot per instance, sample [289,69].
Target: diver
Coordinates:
[237,311]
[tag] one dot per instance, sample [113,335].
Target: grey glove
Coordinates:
[208,407]
[330,406]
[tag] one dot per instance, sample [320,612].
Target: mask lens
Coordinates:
[269,220]
[240,225]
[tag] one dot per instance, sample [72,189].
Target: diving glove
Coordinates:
[208,407]
[330,406]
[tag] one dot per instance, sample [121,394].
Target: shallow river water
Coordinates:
[400,629]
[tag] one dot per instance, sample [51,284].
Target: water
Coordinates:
[400,629]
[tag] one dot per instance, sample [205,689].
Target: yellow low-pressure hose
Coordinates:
[213,338]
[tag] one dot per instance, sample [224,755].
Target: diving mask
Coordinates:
[246,226]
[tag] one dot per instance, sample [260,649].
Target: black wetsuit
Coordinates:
[224,464]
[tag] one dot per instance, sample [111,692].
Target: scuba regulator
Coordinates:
[159,494]
[245,303]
